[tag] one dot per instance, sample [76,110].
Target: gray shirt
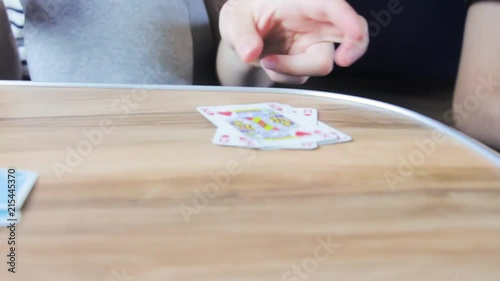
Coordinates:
[119,41]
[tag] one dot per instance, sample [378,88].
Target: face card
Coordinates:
[15,188]
[225,138]
[267,123]
[309,116]
[211,112]
[230,138]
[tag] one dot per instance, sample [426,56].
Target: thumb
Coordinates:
[247,41]
[249,48]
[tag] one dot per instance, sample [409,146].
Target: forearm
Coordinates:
[477,92]
[232,71]
[10,65]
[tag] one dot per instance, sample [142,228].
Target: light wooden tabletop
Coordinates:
[131,188]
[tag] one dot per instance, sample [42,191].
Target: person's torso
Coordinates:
[111,41]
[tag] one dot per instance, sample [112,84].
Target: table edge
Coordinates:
[473,144]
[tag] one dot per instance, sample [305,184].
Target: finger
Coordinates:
[316,61]
[238,24]
[338,12]
[350,51]
[354,27]
[286,79]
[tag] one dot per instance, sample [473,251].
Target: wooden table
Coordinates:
[131,188]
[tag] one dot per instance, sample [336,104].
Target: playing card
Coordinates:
[268,124]
[230,138]
[227,138]
[309,115]
[15,188]
[331,135]
[224,138]
[210,112]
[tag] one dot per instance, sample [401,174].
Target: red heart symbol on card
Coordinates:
[276,107]
[301,134]
[225,113]
[321,133]
[207,111]
[247,141]
[224,139]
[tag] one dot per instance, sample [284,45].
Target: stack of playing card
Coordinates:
[15,186]
[270,126]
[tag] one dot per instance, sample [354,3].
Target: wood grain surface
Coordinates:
[131,188]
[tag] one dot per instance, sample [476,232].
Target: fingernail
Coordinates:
[269,63]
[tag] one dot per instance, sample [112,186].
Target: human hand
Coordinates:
[292,40]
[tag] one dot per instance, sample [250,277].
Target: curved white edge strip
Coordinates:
[475,145]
